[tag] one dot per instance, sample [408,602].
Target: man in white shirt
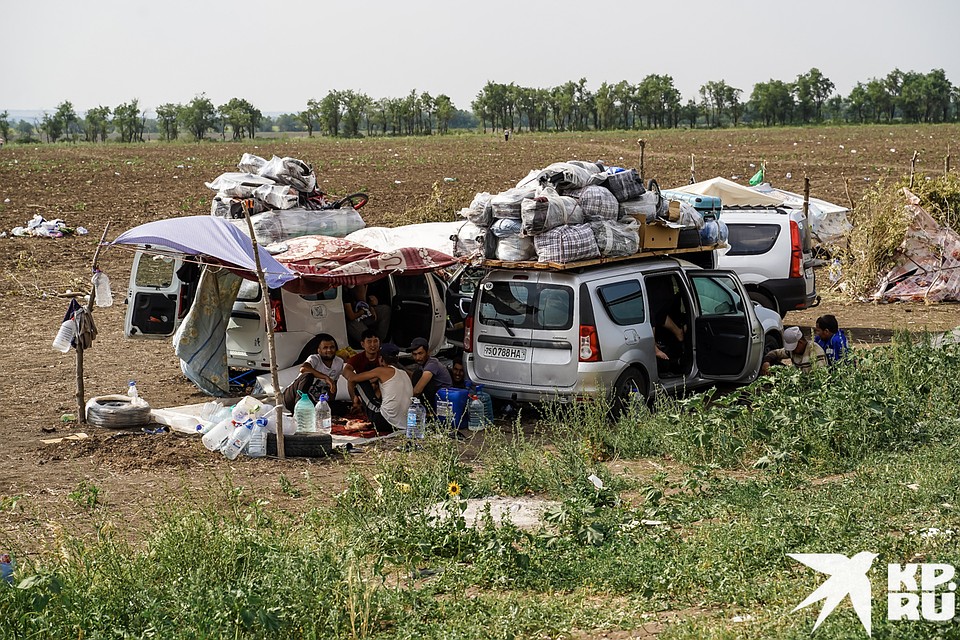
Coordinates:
[318,375]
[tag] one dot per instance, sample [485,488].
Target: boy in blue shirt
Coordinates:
[831,338]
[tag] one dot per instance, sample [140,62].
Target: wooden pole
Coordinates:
[846,187]
[913,166]
[643,145]
[693,178]
[271,350]
[946,161]
[81,392]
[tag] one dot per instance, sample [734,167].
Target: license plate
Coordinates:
[505,353]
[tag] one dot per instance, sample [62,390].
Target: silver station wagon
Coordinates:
[617,328]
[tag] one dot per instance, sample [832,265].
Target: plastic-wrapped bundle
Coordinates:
[649,206]
[480,211]
[690,217]
[278,196]
[223,206]
[296,173]
[710,233]
[548,210]
[591,167]
[251,163]
[724,231]
[565,175]
[238,185]
[616,238]
[625,185]
[468,241]
[276,226]
[506,204]
[598,203]
[506,227]
[568,243]
[515,248]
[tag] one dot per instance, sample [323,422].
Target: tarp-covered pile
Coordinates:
[927,263]
[282,198]
[566,212]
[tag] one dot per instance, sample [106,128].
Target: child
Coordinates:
[831,338]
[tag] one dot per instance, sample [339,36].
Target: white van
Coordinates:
[158,300]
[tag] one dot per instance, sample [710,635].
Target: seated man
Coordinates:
[318,375]
[831,338]
[388,408]
[458,375]
[367,359]
[804,355]
[428,375]
[364,312]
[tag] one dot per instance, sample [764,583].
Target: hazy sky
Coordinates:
[278,55]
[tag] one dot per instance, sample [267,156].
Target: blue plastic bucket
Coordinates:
[458,399]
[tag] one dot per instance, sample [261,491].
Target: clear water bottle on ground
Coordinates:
[65,336]
[134,395]
[487,401]
[416,416]
[217,436]
[305,414]
[238,440]
[475,421]
[324,415]
[101,287]
[257,447]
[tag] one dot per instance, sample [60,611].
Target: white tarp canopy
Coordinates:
[827,221]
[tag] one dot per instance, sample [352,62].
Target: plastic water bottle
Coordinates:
[65,335]
[324,415]
[475,422]
[257,447]
[218,416]
[217,436]
[134,395]
[238,440]
[101,286]
[444,408]
[416,416]
[304,414]
[6,568]
[487,401]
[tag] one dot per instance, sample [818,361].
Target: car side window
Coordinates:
[751,239]
[718,296]
[623,302]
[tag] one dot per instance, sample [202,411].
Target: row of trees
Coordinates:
[654,102]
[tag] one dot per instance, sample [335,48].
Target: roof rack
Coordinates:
[579,264]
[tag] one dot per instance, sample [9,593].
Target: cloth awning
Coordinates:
[208,236]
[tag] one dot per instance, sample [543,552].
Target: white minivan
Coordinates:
[161,291]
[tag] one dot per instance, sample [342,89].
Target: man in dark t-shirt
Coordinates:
[429,375]
[364,361]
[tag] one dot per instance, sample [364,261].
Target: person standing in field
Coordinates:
[804,355]
[831,338]
[506,135]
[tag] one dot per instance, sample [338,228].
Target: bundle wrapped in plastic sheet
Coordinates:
[713,232]
[591,167]
[480,211]
[625,185]
[690,217]
[616,238]
[568,243]
[649,206]
[238,185]
[548,210]
[515,248]
[276,226]
[290,171]
[506,227]
[224,206]
[598,203]
[251,163]
[506,204]
[278,196]
[565,175]
[468,241]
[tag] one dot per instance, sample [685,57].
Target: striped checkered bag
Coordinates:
[568,243]
[506,204]
[548,210]
[625,185]
[598,203]
[616,238]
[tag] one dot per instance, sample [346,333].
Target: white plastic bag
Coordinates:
[278,196]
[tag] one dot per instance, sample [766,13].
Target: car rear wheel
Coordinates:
[770,342]
[766,301]
[631,384]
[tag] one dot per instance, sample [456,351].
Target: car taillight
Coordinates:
[796,251]
[468,334]
[589,344]
[276,310]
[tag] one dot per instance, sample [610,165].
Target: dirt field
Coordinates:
[90,186]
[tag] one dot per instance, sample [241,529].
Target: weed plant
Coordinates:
[856,457]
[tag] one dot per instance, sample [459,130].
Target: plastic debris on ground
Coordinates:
[40,227]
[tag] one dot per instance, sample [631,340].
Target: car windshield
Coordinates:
[526,305]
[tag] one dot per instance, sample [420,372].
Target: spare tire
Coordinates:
[116,412]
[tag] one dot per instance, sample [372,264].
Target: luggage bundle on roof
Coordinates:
[575,211]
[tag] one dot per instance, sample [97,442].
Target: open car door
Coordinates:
[728,337]
[157,300]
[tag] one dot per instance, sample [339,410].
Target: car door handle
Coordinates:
[630,336]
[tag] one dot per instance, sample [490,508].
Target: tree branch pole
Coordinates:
[643,146]
[913,167]
[271,349]
[693,177]
[81,393]
[846,187]
[946,161]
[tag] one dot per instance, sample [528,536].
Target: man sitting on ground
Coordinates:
[831,338]
[387,409]
[428,375]
[318,375]
[458,375]
[804,355]
[364,361]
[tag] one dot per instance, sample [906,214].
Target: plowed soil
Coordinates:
[92,185]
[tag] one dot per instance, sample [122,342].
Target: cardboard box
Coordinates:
[657,235]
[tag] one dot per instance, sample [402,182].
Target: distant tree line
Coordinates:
[654,102]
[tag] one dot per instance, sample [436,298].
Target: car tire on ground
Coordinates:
[767,301]
[770,342]
[116,412]
[302,445]
[630,381]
